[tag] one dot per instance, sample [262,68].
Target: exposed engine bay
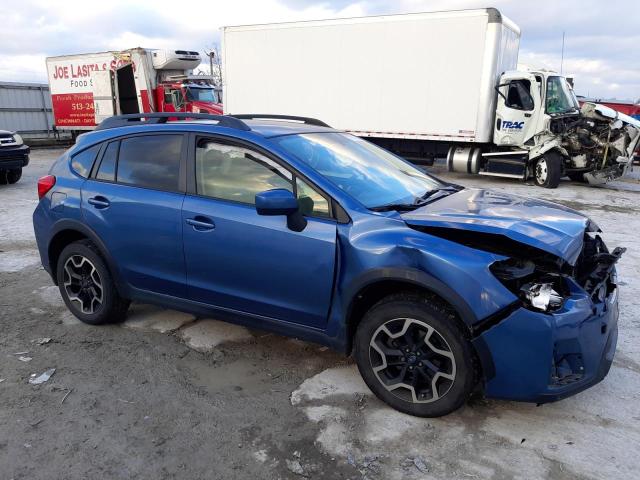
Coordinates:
[539,278]
[599,143]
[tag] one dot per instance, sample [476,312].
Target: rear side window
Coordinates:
[150,161]
[83,161]
[107,169]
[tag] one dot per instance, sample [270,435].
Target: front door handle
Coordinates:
[99,202]
[201,224]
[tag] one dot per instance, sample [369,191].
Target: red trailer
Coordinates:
[87,88]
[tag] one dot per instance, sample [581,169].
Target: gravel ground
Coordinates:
[167,395]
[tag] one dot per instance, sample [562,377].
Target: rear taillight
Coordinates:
[45,184]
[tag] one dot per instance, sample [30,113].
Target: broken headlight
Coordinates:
[538,289]
[541,296]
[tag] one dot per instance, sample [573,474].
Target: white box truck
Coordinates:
[428,84]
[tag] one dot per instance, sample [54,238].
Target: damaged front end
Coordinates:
[542,283]
[565,313]
[599,144]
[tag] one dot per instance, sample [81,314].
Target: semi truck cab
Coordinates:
[195,96]
[541,131]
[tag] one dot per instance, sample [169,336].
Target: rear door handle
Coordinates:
[201,224]
[99,202]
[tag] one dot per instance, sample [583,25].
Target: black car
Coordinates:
[14,155]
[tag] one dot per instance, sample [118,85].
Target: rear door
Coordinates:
[133,201]
[243,261]
[102,87]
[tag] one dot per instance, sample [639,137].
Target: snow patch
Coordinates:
[50,295]
[149,317]
[205,335]
[16,260]
[330,382]
[69,318]
[261,456]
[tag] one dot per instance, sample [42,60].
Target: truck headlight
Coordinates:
[17,138]
[542,296]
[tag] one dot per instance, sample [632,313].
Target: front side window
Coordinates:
[371,175]
[82,162]
[519,95]
[151,161]
[235,173]
[560,97]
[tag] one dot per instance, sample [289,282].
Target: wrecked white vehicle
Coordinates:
[556,137]
[598,145]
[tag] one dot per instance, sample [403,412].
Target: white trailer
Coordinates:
[419,84]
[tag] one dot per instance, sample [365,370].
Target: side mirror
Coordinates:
[281,202]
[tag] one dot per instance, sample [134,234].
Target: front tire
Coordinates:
[14,175]
[547,170]
[87,287]
[413,357]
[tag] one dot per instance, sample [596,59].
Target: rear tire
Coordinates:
[413,357]
[3,177]
[14,175]
[547,170]
[87,287]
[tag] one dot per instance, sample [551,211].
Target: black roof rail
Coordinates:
[307,120]
[162,117]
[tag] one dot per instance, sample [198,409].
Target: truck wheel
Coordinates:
[413,357]
[548,170]
[87,287]
[14,175]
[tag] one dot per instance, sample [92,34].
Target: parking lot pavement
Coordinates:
[168,395]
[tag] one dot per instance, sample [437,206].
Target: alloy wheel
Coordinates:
[82,284]
[412,360]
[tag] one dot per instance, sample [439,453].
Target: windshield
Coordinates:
[368,173]
[207,94]
[560,97]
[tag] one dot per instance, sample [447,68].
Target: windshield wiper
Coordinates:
[405,207]
[430,195]
[427,197]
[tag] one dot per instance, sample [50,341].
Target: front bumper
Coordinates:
[14,157]
[539,357]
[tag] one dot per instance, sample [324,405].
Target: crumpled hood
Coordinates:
[553,228]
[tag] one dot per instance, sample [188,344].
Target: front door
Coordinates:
[243,261]
[133,202]
[517,109]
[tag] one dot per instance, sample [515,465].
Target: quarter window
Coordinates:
[107,169]
[235,173]
[83,161]
[151,161]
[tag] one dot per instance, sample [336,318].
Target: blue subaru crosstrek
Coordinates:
[284,224]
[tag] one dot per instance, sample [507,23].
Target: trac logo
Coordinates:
[512,125]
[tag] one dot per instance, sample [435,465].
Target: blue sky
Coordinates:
[601,46]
